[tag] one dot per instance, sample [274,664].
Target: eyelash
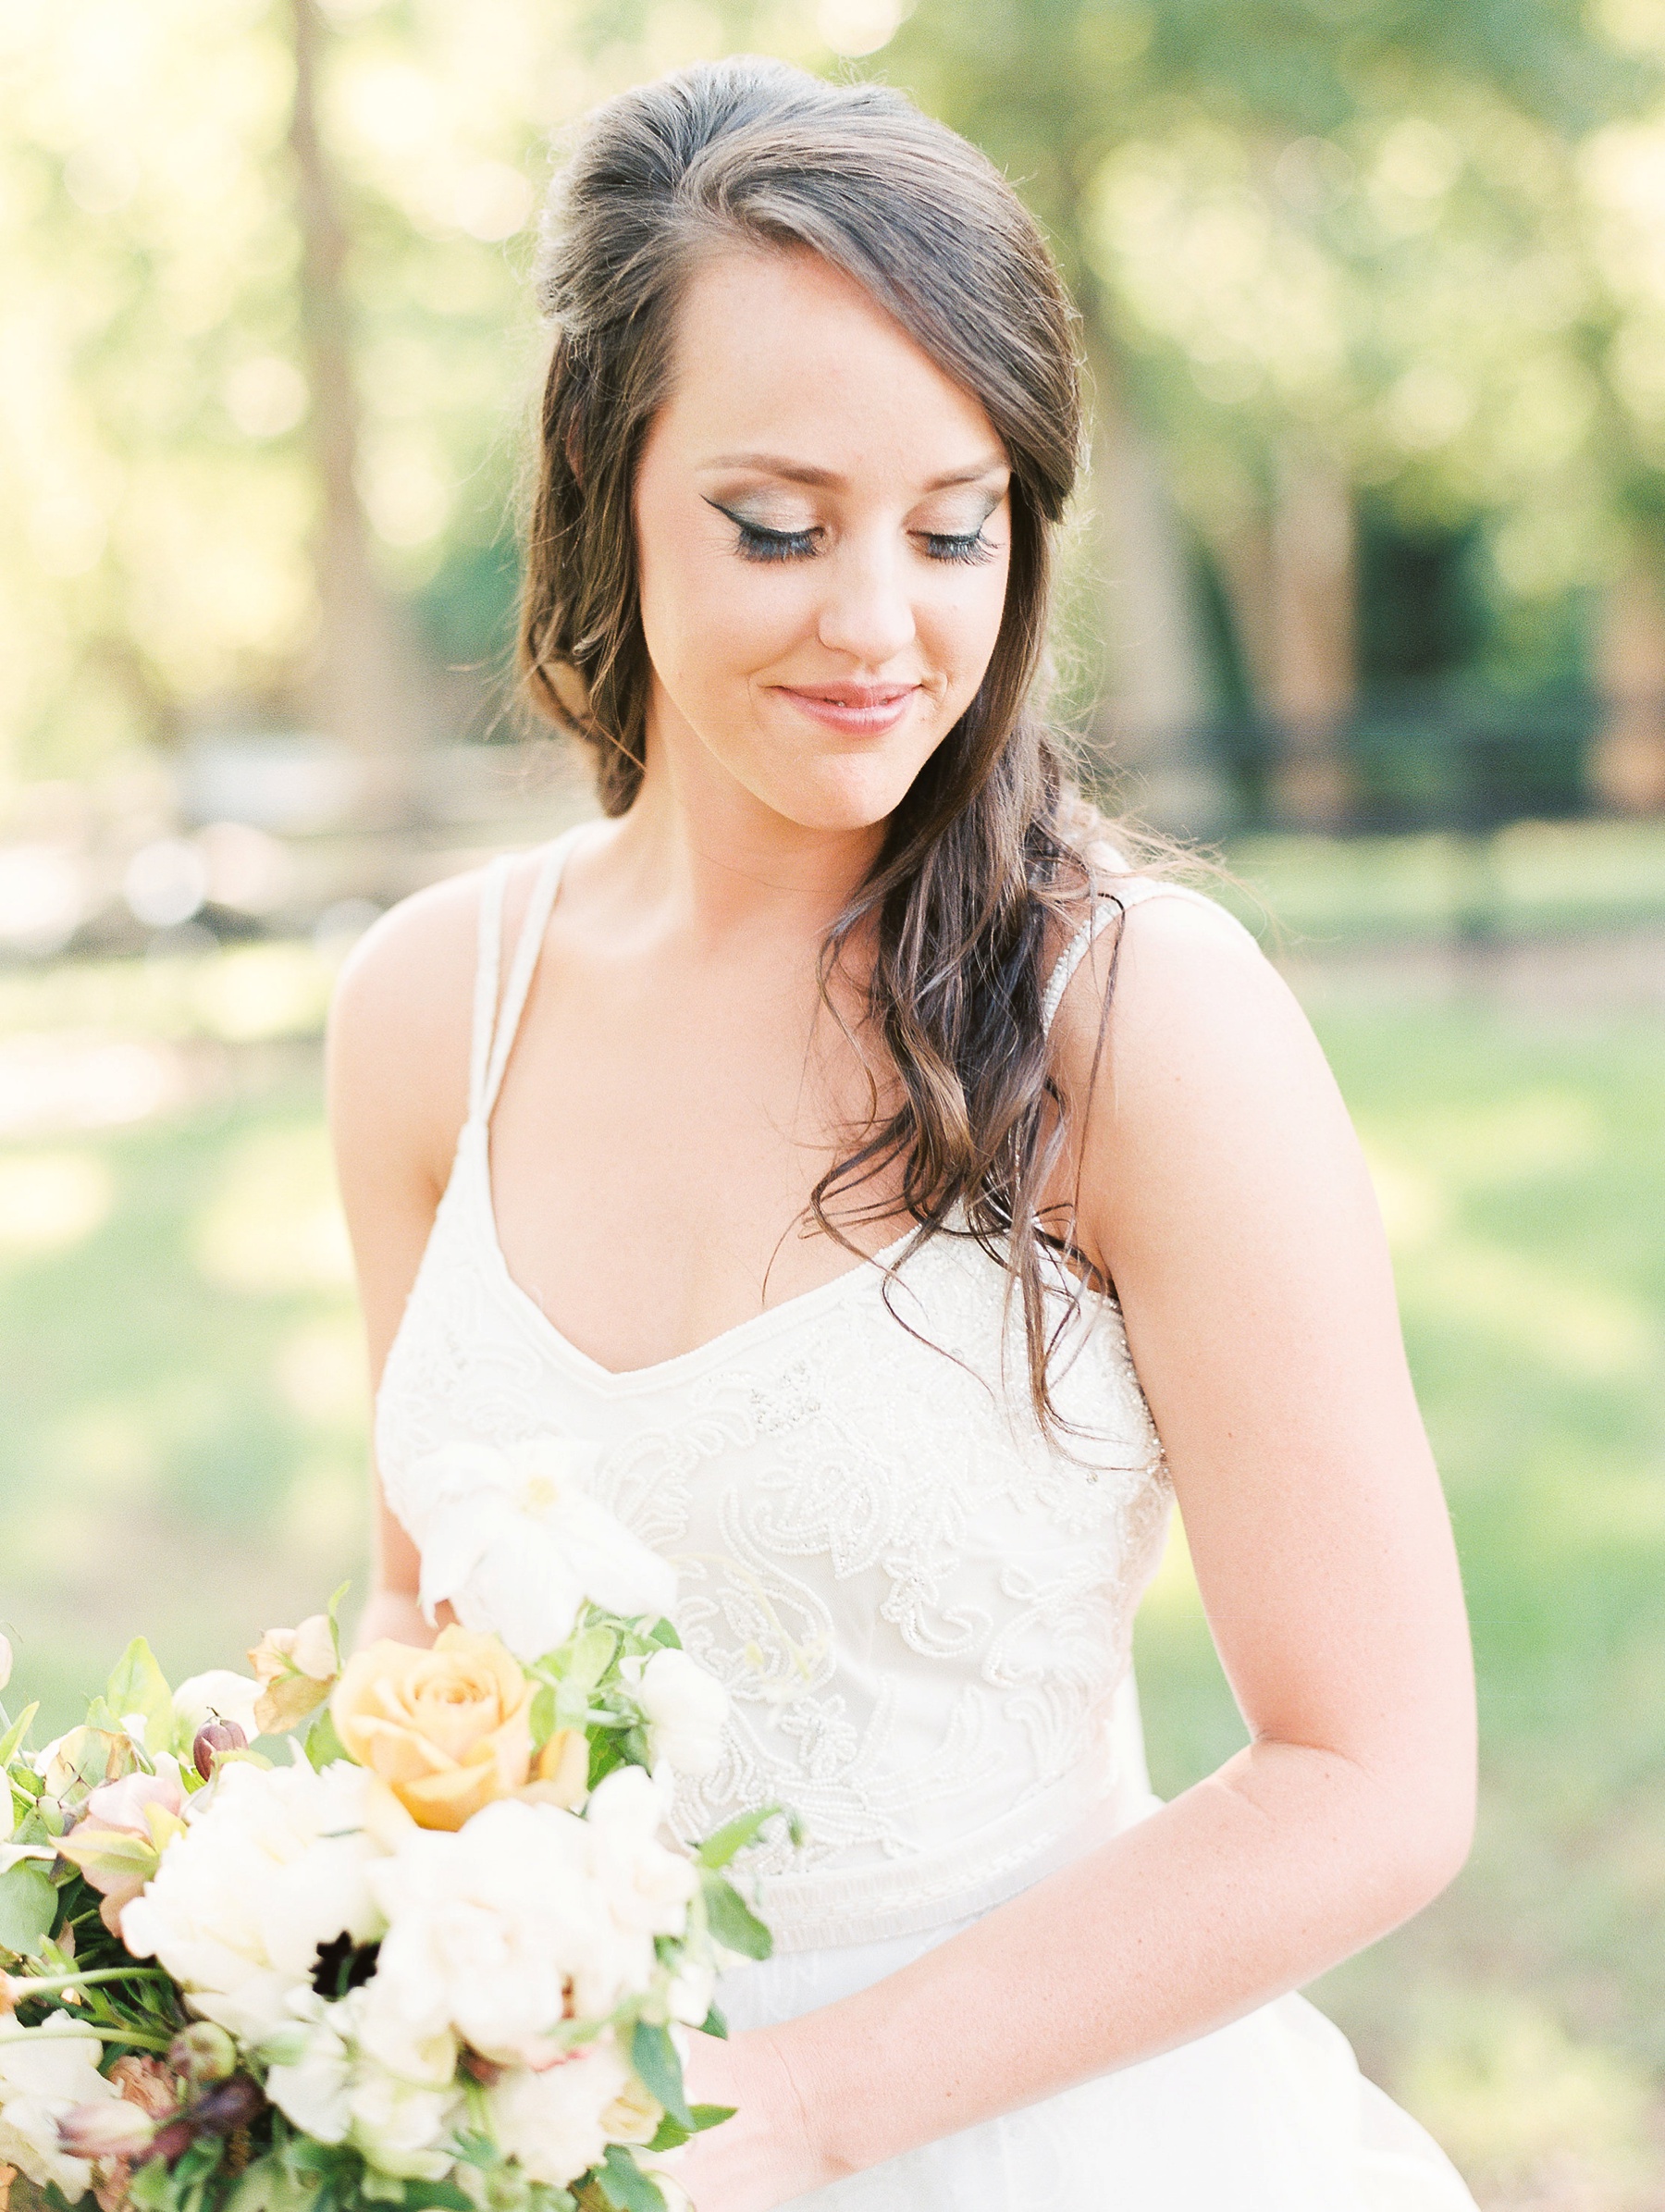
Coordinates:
[754,543]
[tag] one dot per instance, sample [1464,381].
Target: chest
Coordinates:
[655,1142]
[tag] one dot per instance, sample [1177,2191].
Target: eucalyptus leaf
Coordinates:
[138,1685]
[29,1905]
[16,1733]
[653,2054]
[732,1921]
[624,2185]
[324,1745]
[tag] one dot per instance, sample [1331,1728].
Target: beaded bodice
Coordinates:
[921,1604]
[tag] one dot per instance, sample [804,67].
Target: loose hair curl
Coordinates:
[985,861]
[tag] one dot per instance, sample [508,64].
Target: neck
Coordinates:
[718,861]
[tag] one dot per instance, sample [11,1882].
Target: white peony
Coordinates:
[337,2090]
[686,1707]
[219,1695]
[274,1863]
[553,2122]
[517,1543]
[40,2082]
[648,1886]
[499,1931]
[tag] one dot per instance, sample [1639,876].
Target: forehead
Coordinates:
[777,351]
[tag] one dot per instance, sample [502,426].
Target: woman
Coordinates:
[782,1136]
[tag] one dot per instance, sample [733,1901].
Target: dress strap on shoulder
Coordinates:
[494,1024]
[1108,905]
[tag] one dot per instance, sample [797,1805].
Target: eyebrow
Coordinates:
[802,471]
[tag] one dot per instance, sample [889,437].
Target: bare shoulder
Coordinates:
[1202,1075]
[400,1026]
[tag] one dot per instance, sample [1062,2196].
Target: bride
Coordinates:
[901,1198]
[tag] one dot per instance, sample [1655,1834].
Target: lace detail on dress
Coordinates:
[920,1605]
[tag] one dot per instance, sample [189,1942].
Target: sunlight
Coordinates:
[50,1201]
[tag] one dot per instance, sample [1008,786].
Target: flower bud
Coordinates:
[203,2053]
[111,2129]
[213,1739]
[227,2104]
[173,2141]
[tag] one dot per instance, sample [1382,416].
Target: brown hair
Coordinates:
[984,858]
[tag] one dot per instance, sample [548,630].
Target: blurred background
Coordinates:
[1368,590]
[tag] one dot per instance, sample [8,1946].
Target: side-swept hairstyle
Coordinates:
[983,861]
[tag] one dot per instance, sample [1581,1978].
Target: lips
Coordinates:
[859,710]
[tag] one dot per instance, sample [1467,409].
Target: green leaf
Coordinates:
[733,1922]
[16,1733]
[541,1716]
[624,2185]
[269,2186]
[323,1746]
[733,1836]
[713,2116]
[659,2069]
[152,2188]
[138,1685]
[419,2196]
[28,1906]
[663,1633]
[377,2188]
[714,2025]
[588,1659]
[668,2136]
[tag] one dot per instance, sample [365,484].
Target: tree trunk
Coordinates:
[1628,763]
[1291,581]
[1158,705]
[365,684]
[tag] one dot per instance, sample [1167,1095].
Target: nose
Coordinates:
[867,613]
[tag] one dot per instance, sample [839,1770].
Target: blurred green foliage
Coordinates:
[1420,243]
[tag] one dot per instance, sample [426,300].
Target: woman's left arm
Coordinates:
[1225,1192]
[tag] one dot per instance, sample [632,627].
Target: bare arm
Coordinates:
[1224,1190]
[398,1093]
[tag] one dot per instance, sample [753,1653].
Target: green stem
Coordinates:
[36,1984]
[49,2035]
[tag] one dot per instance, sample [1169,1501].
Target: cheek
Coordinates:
[961,626]
[711,621]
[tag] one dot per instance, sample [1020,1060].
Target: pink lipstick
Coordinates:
[856,709]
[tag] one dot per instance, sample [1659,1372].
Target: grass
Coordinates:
[183,1452]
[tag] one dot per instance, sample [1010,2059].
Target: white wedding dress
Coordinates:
[922,1613]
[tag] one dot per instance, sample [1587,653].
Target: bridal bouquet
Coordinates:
[440,1955]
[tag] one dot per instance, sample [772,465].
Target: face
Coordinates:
[823,532]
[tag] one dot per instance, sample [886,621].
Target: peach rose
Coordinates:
[447,1730]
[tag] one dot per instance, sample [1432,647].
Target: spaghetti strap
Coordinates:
[1106,908]
[495,1026]
[1110,905]
[485,979]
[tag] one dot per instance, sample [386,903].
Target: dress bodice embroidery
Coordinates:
[920,1605]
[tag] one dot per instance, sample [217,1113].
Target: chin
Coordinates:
[849,794]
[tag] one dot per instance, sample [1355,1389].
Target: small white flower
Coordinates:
[686,1707]
[42,2083]
[553,2122]
[219,1695]
[274,1864]
[517,1542]
[648,1886]
[338,2091]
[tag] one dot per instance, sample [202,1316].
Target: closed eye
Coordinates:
[971,547]
[754,542]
